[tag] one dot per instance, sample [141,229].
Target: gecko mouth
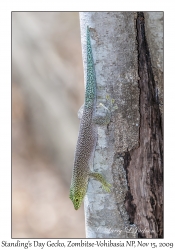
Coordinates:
[77,203]
[77,206]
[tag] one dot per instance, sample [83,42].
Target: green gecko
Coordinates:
[87,137]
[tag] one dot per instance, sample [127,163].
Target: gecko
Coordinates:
[87,137]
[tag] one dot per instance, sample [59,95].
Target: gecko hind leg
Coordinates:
[80,112]
[97,176]
[103,116]
[111,102]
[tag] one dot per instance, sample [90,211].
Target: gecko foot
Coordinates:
[103,115]
[111,102]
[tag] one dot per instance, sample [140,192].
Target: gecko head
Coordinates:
[77,198]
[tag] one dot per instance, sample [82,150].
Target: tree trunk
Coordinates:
[145,164]
[129,150]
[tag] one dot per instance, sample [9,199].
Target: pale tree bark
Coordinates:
[129,150]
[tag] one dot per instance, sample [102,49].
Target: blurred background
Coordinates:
[47,91]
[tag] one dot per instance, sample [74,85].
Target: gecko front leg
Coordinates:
[97,176]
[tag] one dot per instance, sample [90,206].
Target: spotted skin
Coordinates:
[87,138]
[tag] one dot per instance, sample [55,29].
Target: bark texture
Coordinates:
[154,36]
[129,151]
[113,39]
[144,200]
